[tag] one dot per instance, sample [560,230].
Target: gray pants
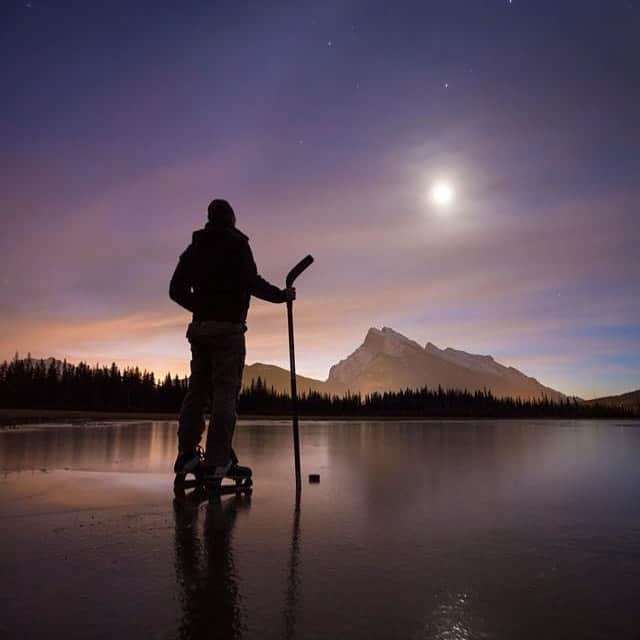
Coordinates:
[217,361]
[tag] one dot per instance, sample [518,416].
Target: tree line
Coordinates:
[38,384]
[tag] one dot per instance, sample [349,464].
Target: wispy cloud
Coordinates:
[518,281]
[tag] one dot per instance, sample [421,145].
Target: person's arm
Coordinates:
[180,286]
[258,286]
[264,290]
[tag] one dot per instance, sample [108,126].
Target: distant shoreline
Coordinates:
[18,417]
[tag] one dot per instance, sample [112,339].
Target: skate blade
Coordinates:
[243,486]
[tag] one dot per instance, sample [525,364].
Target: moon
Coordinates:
[442,194]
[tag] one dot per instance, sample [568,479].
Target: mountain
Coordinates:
[280,379]
[629,400]
[388,360]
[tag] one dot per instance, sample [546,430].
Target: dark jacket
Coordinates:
[217,275]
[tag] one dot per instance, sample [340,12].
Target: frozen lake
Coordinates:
[443,530]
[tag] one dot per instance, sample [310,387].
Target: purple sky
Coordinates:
[325,125]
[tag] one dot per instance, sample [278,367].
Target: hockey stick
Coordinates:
[291,276]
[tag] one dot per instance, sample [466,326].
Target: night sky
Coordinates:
[326,125]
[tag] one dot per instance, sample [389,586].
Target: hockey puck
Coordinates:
[314,478]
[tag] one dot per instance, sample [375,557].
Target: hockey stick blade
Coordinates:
[298,269]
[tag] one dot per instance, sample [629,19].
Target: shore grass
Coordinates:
[32,416]
[11,417]
[17,417]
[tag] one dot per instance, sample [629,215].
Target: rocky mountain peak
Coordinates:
[389,360]
[388,341]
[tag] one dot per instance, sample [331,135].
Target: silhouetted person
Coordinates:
[215,279]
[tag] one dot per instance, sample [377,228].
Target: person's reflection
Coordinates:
[205,572]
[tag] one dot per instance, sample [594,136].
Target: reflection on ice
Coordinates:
[435,530]
[454,619]
[205,567]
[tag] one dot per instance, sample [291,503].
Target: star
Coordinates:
[446,85]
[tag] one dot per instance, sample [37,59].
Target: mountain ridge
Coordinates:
[628,400]
[389,361]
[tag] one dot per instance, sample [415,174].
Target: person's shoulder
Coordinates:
[198,237]
[237,241]
[239,236]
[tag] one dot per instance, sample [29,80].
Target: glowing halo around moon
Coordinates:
[442,194]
